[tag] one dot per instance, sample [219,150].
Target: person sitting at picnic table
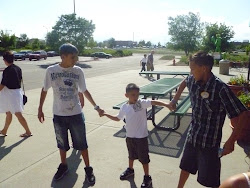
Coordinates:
[211,99]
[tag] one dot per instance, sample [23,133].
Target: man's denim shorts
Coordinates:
[75,124]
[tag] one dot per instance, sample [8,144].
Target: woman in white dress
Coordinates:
[11,95]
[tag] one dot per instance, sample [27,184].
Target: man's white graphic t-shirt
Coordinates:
[136,118]
[66,83]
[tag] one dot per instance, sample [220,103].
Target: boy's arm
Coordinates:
[81,98]
[1,87]
[160,103]
[114,118]
[237,122]
[91,100]
[40,108]
[178,94]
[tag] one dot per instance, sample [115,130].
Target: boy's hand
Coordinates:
[40,116]
[228,147]
[101,112]
[172,106]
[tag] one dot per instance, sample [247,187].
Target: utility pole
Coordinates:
[74,7]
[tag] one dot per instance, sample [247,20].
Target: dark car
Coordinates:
[20,55]
[38,55]
[101,55]
[52,53]
[28,52]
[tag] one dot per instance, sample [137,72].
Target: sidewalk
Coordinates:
[32,162]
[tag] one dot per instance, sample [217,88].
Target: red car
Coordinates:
[38,55]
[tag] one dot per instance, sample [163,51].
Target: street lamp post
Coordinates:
[74,7]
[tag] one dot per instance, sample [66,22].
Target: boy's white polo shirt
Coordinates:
[136,118]
[66,83]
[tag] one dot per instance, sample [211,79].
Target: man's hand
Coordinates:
[40,116]
[228,147]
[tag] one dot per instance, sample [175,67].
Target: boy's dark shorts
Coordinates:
[203,160]
[75,124]
[138,149]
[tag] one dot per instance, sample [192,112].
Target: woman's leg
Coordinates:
[23,122]
[8,120]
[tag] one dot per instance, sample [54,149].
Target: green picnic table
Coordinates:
[161,88]
[159,73]
[157,89]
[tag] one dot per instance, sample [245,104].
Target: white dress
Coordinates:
[11,100]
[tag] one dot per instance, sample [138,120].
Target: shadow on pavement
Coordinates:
[82,65]
[70,179]
[167,143]
[6,150]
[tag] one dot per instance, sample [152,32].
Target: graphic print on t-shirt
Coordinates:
[137,106]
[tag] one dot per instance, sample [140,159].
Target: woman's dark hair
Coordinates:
[8,56]
[131,87]
[202,58]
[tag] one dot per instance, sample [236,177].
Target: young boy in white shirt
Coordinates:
[134,112]
[67,80]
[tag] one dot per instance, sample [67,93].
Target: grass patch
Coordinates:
[167,57]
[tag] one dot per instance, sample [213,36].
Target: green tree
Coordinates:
[22,41]
[91,43]
[35,45]
[142,43]
[7,42]
[148,44]
[226,33]
[186,32]
[111,43]
[72,29]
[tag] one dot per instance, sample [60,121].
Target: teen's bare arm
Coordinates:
[91,100]
[1,87]
[81,98]
[40,108]
[177,95]
[114,118]
[237,122]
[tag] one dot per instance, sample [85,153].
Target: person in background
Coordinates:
[143,63]
[150,62]
[11,95]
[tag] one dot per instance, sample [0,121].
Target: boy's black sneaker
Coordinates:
[90,175]
[62,170]
[147,182]
[127,173]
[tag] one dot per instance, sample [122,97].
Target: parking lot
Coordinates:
[34,71]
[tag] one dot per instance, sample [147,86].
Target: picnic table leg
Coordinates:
[158,76]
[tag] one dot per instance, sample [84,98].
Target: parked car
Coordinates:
[28,52]
[38,55]
[101,55]
[20,55]
[52,53]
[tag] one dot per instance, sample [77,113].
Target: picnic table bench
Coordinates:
[159,73]
[161,88]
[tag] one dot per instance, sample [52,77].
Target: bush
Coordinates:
[184,59]
[237,58]
[114,53]
[167,57]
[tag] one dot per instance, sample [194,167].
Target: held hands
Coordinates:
[100,112]
[172,106]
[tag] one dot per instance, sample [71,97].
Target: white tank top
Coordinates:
[247,178]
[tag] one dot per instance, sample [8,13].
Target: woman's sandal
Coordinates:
[25,135]
[2,135]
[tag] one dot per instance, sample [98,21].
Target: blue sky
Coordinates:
[122,19]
